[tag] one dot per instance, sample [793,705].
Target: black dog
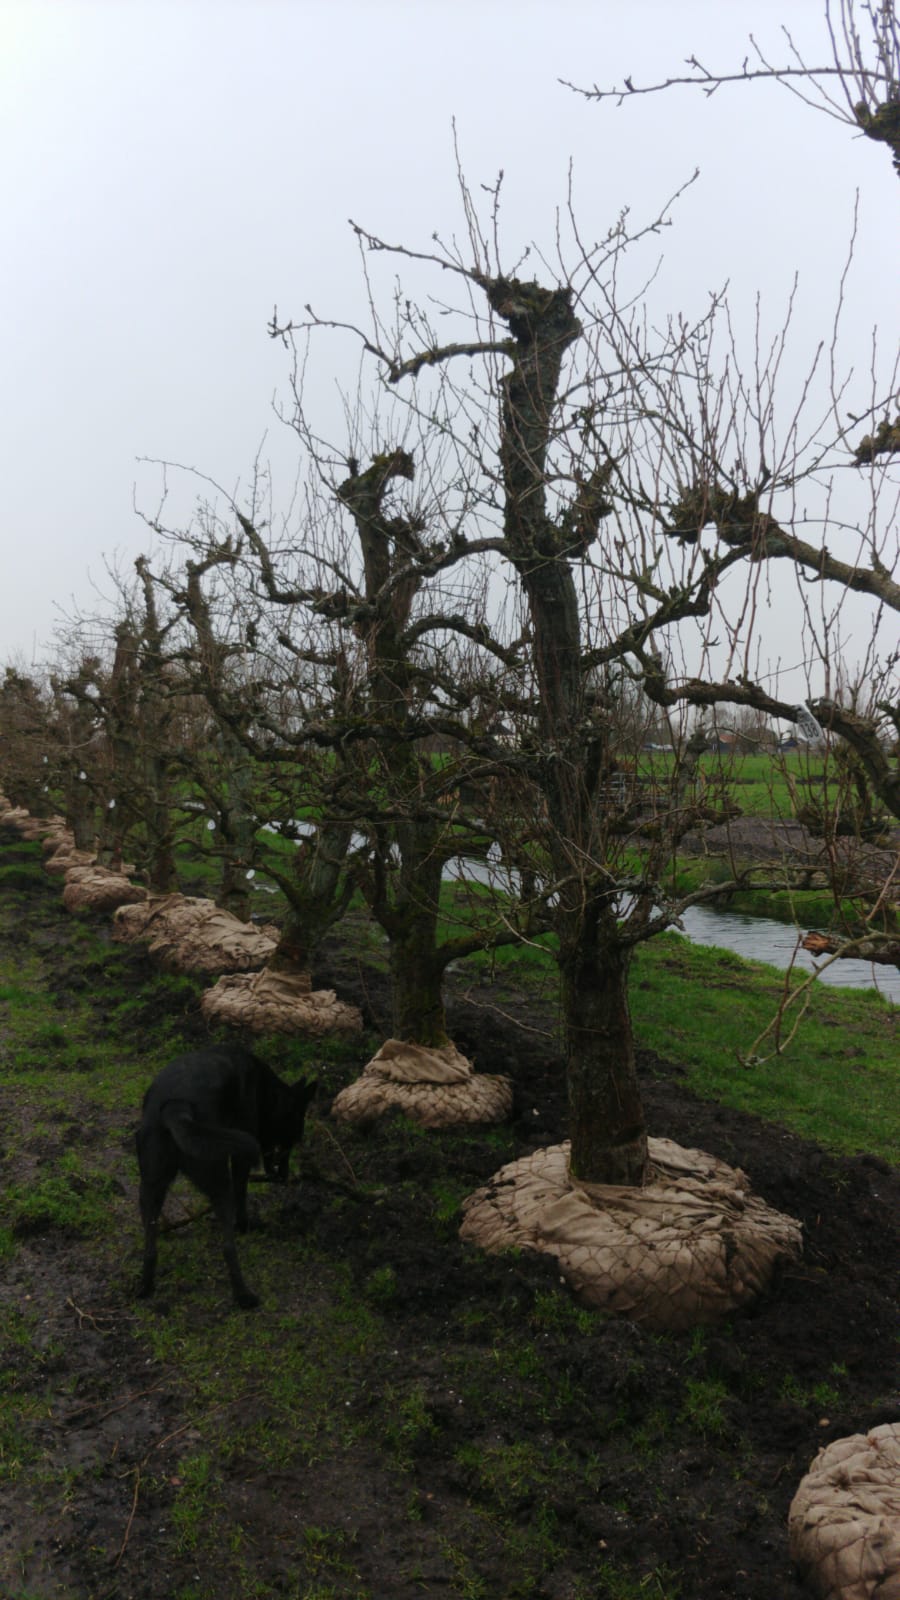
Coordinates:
[206,1111]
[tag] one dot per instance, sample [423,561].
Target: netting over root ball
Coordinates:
[436,1087]
[63,856]
[56,840]
[278,1002]
[29,827]
[844,1521]
[687,1248]
[189,934]
[99,889]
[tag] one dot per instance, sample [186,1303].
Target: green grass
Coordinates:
[761,785]
[836,1082]
[284,1390]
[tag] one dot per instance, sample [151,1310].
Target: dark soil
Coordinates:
[488,1439]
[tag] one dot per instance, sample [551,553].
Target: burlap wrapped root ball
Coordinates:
[30,827]
[60,854]
[189,934]
[844,1521]
[687,1248]
[56,840]
[96,888]
[436,1087]
[14,817]
[278,1002]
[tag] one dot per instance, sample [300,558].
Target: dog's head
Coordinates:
[277,1158]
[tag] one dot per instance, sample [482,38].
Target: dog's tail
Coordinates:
[207,1141]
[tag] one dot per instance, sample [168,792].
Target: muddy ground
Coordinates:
[404,1417]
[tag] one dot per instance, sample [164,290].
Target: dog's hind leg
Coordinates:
[158,1165]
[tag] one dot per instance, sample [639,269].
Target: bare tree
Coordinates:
[573,440]
[27,744]
[859,85]
[370,576]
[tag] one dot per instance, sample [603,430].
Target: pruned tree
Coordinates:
[371,579]
[859,85]
[858,710]
[26,740]
[260,768]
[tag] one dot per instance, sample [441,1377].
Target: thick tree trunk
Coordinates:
[80,816]
[417,988]
[609,1143]
[609,1140]
[160,841]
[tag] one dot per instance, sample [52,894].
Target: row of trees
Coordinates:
[550,525]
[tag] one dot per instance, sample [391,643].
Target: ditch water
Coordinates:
[762,939]
[754,938]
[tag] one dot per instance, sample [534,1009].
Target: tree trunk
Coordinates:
[609,1140]
[317,896]
[80,815]
[417,986]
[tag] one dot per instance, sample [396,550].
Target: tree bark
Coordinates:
[609,1139]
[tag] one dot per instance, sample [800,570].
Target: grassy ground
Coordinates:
[719,1015]
[404,1417]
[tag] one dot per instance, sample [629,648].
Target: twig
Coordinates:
[88,1316]
[185,1222]
[134,1505]
[525,1027]
[248,1394]
[340,1150]
[119,1406]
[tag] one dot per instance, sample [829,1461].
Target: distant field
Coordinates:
[762,785]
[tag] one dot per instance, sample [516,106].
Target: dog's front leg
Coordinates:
[224,1207]
[150,1209]
[240,1175]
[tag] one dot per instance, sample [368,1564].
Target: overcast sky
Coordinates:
[172,169]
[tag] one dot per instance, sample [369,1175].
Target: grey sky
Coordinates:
[170,171]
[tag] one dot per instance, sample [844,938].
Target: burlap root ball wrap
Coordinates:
[687,1248]
[436,1087]
[95,888]
[844,1521]
[278,1002]
[187,933]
